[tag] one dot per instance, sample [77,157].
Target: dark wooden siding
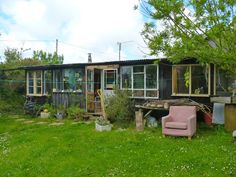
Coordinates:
[165,80]
[67,99]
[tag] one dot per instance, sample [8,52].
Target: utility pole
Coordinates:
[56,46]
[119,44]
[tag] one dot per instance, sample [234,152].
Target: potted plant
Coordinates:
[45,113]
[102,123]
[61,112]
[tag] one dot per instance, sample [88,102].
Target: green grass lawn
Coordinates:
[78,150]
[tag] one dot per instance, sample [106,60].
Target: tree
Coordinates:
[200,29]
[12,56]
[48,58]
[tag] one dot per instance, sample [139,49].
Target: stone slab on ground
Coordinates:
[56,124]
[28,122]
[75,123]
[41,123]
[15,116]
[20,120]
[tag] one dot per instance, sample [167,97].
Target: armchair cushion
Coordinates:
[176,125]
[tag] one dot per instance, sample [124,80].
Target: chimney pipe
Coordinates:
[89,58]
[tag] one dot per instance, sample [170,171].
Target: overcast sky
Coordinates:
[81,26]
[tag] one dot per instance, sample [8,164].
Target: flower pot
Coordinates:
[44,115]
[59,115]
[103,127]
[208,118]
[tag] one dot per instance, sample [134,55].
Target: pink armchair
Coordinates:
[181,121]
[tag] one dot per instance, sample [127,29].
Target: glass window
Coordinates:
[138,69]
[90,80]
[151,93]
[126,77]
[142,80]
[199,79]
[69,80]
[151,77]
[181,78]
[57,80]
[225,84]
[34,83]
[138,93]
[197,75]
[47,82]
[109,79]
[30,82]
[138,81]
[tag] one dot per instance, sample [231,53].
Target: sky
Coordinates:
[81,27]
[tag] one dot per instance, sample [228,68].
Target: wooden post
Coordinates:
[139,120]
[230,119]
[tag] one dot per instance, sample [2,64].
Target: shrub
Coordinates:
[75,112]
[120,107]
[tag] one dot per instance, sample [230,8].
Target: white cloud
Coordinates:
[91,26]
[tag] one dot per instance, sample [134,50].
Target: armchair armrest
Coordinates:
[192,123]
[165,119]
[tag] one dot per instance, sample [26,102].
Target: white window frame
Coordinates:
[190,82]
[34,84]
[144,89]
[103,78]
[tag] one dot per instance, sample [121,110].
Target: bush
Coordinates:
[75,112]
[120,107]
[11,103]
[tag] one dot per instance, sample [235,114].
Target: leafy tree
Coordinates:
[12,56]
[48,58]
[201,29]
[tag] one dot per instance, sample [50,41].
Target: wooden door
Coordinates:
[90,90]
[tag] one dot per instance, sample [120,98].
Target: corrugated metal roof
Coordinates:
[79,65]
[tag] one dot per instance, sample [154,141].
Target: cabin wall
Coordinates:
[165,80]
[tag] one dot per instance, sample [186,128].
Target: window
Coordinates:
[126,76]
[34,83]
[90,78]
[190,80]
[109,79]
[68,80]
[141,80]
[47,82]
[225,84]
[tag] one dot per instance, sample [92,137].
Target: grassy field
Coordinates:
[36,149]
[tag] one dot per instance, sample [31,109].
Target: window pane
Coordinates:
[138,69]
[47,82]
[79,77]
[30,75]
[224,83]
[38,90]
[31,82]
[109,79]
[58,80]
[38,74]
[181,78]
[126,77]
[90,80]
[199,79]
[138,80]
[138,93]
[151,77]
[31,90]
[151,94]
[39,82]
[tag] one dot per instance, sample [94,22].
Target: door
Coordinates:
[93,84]
[90,90]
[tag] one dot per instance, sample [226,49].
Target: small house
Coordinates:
[68,84]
